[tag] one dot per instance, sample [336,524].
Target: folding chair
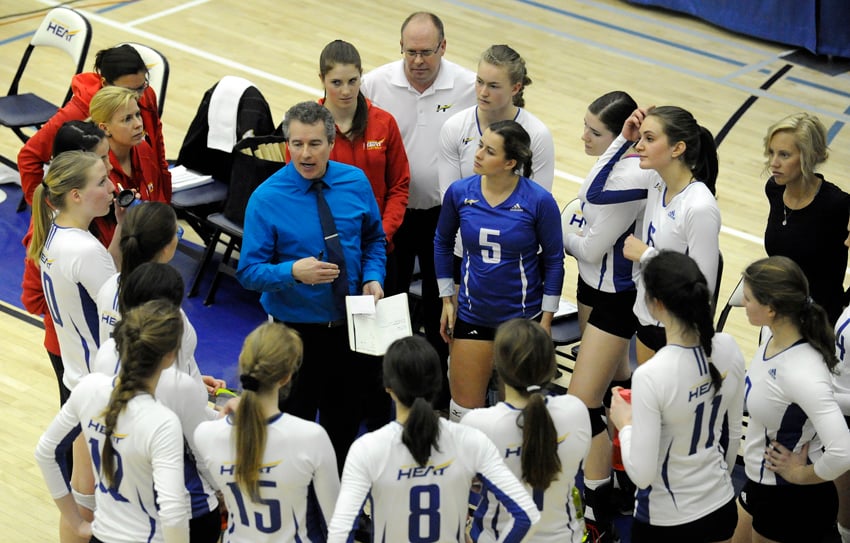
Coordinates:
[242,102]
[63,29]
[158,71]
[249,171]
[736,299]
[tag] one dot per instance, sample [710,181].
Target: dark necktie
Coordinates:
[333,245]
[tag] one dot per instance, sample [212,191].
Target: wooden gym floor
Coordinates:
[575,51]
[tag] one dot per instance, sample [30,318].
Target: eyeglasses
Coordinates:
[140,90]
[412,54]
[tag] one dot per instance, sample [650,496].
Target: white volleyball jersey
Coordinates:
[298,480]
[599,248]
[560,518]
[410,502]
[461,134]
[149,496]
[689,224]
[841,377]
[187,398]
[109,315]
[74,265]
[790,399]
[687,432]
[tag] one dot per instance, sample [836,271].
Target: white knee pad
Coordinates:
[844,533]
[84,500]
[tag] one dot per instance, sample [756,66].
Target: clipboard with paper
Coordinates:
[372,326]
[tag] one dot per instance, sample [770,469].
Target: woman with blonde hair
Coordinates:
[808,214]
[278,473]
[136,442]
[134,162]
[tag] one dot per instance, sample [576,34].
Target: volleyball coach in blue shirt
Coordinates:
[313,235]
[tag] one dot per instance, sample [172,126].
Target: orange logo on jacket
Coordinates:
[374,145]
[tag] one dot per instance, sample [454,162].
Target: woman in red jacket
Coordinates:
[119,66]
[134,163]
[366,136]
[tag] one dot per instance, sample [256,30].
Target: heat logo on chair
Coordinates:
[61,31]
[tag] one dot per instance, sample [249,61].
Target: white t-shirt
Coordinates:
[74,265]
[298,480]
[688,432]
[425,503]
[560,519]
[150,497]
[841,377]
[420,116]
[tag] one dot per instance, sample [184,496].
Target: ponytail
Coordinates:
[705,167]
[524,357]
[818,332]
[67,172]
[144,337]
[675,280]
[270,354]
[412,371]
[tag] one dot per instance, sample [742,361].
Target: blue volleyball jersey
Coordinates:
[513,261]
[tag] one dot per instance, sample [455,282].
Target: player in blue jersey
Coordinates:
[797,440]
[136,443]
[680,435]
[544,439]
[513,263]
[413,475]
[278,473]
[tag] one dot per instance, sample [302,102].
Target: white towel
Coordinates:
[223,111]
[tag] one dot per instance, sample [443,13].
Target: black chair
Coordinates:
[64,29]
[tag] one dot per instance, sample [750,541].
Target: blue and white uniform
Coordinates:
[688,224]
[108,315]
[150,498]
[74,265]
[841,377]
[560,519]
[298,480]
[790,399]
[459,139]
[409,502]
[187,398]
[688,432]
[599,249]
[502,276]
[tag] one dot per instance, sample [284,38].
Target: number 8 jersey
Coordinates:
[513,262]
[688,432]
[425,504]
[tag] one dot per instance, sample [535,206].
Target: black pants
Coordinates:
[206,528]
[415,238]
[334,383]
